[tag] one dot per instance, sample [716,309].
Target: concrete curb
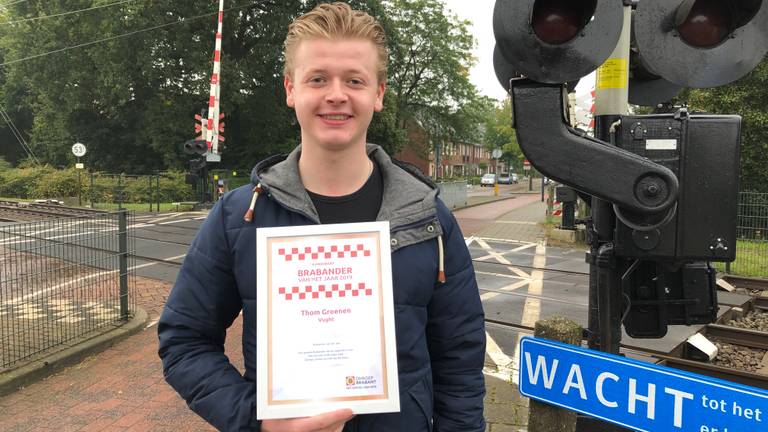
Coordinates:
[484,202]
[69,355]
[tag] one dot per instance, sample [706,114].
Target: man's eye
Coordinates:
[356,82]
[317,80]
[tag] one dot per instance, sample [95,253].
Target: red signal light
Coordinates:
[705,23]
[558,21]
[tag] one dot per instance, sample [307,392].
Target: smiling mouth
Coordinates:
[336,117]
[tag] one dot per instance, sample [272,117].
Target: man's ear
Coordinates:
[379,105]
[288,85]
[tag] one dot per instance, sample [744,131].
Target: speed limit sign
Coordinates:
[78,149]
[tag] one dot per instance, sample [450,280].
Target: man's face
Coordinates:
[334,91]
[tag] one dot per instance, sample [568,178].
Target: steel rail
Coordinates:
[674,361]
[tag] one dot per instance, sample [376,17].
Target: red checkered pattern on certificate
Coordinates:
[324,252]
[308,292]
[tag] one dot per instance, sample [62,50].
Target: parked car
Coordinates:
[488,180]
[507,178]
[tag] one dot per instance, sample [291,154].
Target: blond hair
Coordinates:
[336,21]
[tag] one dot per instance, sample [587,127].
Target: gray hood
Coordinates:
[409,197]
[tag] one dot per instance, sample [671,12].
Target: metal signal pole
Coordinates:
[605,296]
[611,102]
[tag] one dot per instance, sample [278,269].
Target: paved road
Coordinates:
[122,389]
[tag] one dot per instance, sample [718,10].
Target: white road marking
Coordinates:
[174,221]
[498,240]
[516,222]
[502,275]
[156,263]
[507,288]
[65,224]
[532,308]
[501,360]
[516,363]
[163,218]
[6,242]
[500,258]
[524,247]
[520,272]
[506,367]
[82,278]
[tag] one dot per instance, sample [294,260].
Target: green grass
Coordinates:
[751,259]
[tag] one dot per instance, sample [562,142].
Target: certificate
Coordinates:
[325,320]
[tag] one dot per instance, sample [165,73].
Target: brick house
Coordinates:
[457,159]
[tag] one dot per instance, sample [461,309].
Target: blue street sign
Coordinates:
[637,395]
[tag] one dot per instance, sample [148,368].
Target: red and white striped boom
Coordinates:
[212,137]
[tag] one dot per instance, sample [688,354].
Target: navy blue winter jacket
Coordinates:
[439,326]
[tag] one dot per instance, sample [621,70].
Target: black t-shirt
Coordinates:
[360,206]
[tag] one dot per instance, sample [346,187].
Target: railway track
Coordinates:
[529,267]
[747,283]
[12,211]
[742,352]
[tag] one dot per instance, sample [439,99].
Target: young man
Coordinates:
[334,79]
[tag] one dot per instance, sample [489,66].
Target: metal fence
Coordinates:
[752,236]
[62,281]
[136,192]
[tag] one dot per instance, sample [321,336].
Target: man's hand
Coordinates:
[329,422]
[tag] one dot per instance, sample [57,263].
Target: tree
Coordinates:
[500,134]
[132,99]
[747,97]
[127,79]
[430,56]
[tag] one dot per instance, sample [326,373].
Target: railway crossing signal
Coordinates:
[195,146]
[664,201]
[201,129]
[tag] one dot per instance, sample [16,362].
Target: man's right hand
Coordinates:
[329,422]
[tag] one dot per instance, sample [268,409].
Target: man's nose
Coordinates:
[336,92]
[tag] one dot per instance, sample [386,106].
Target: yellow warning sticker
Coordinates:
[613,74]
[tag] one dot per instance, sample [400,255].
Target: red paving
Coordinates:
[474,219]
[122,388]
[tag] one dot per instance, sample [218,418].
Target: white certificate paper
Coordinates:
[325,318]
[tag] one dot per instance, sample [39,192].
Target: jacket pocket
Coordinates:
[421,393]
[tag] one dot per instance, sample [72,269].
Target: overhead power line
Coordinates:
[19,137]
[183,20]
[64,13]
[12,3]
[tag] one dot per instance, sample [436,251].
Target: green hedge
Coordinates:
[46,182]
[38,182]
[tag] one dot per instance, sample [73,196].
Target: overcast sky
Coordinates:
[480,13]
